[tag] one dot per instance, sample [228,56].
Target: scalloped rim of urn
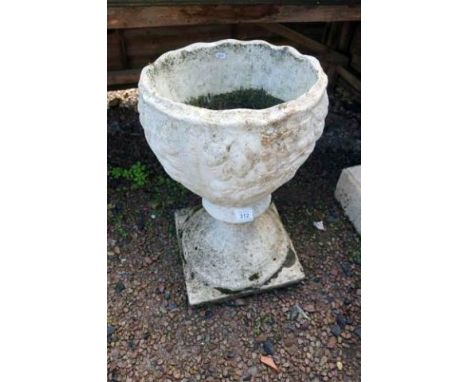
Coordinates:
[180,110]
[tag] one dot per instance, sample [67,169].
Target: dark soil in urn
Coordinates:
[238,99]
[152,333]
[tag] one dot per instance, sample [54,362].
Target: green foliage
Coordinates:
[137,174]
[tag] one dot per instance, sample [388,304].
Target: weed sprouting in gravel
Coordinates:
[137,174]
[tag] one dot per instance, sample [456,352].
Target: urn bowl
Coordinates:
[233,158]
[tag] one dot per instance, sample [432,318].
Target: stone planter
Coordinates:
[234,159]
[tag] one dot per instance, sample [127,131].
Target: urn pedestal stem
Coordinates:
[237,215]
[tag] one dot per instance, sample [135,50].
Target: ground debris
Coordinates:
[319,225]
[296,312]
[269,362]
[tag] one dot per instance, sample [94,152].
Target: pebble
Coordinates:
[119,287]
[331,342]
[357,331]
[141,224]
[167,295]
[346,268]
[268,347]
[148,260]
[208,314]
[309,308]
[110,331]
[236,302]
[250,373]
[336,330]
[342,320]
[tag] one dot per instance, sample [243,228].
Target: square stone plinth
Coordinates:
[199,292]
[348,193]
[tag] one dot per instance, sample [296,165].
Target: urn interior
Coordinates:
[186,74]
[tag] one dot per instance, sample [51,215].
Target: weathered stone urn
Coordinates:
[234,159]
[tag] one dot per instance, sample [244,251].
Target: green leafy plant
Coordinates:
[137,174]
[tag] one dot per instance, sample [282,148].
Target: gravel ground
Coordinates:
[153,335]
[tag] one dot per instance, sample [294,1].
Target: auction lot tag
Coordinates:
[245,215]
[220,55]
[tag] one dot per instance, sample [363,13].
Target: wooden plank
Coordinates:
[131,3]
[140,55]
[183,32]
[355,47]
[153,16]
[123,77]
[158,45]
[307,42]
[127,77]
[345,36]
[113,49]
[333,35]
[349,78]
[356,63]
[123,48]
[332,75]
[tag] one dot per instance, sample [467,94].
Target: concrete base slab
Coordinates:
[348,193]
[223,261]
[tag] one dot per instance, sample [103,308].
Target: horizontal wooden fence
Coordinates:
[134,42]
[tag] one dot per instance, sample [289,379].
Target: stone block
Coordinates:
[348,193]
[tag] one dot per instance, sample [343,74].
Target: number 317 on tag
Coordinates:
[245,215]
